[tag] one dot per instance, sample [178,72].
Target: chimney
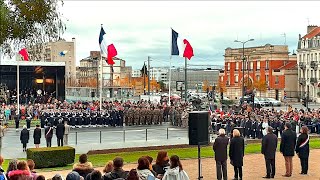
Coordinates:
[310,28]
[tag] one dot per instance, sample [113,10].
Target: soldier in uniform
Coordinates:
[156,115]
[130,116]
[161,115]
[149,116]
[185,118]
[138,116]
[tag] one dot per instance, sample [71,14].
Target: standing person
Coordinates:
[236,153]
[37,136]
[48,134]
[302,149]
[59,133]
[176,171]
[287,147]
[24,137]
[66,132]
[220,152]
[268,149]
[17,120]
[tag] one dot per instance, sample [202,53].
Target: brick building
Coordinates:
[269,63]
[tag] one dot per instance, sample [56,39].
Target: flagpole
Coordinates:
[101,81]
[170,80]
[18,88]
[185,80]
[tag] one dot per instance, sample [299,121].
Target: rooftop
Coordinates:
[313,33]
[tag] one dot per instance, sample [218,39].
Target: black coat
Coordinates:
[60,131]
[37,136]
[303,151]
[288,142]
[269,146]
[236,151]
[220,148]
[160,169]
[24,136]
[50,134]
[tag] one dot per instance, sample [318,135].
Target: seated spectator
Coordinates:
[133,175]
[150,159]
[11,166]
[2,175]
[22,172]
[74,176]
[94,175]
[117,172]
[57,177]
[31,165]
[83,167]
[176,171]
[108,167]
[143,168]
[162,163]
[41,177]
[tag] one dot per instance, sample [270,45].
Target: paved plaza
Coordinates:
[86,139]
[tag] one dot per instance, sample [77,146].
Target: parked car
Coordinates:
[274,102]
[263,101]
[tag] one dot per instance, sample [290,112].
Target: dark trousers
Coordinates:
[237,172]
[24,146]
[48,142]
[221,170]
[271,167]
[60,141]
[304,165]
[17,124]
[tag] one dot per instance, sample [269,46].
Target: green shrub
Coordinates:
[227,102]
[52,156]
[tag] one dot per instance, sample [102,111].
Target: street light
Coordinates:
[248,65]
[243,58]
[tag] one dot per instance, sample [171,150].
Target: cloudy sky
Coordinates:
[142,28]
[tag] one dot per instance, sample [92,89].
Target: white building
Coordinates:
[308,56]
[156,73]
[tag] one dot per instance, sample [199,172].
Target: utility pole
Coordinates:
[149,76]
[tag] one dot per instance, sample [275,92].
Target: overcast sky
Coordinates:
[141,29]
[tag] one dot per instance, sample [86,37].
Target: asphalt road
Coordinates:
[86,139]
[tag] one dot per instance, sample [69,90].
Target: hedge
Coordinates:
[51,156]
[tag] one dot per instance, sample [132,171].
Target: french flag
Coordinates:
[180,46]
[107,48]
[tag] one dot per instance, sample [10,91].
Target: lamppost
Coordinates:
[248,65]
[243,58]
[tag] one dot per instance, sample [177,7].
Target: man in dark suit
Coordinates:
[60,133]
[287,147]
[268,149]
[220,153]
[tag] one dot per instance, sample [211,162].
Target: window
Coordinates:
[251,65]
[267,80]
[277,80]
[267,64]
[258,77]
[237,66]
[228,66]
[236,79]
[258,65]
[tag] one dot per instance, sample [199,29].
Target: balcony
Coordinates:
[302,81]
[314,65]
[302,65]
[313,80]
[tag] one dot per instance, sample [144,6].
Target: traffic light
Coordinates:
[304,102]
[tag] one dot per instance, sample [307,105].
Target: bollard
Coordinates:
[146,134]
[76,138]
[100,137]
[167,133]
[124,135]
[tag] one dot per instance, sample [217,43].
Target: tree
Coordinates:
[29,23]
[221,87]
[162,85]
[261,86]
[205,85]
